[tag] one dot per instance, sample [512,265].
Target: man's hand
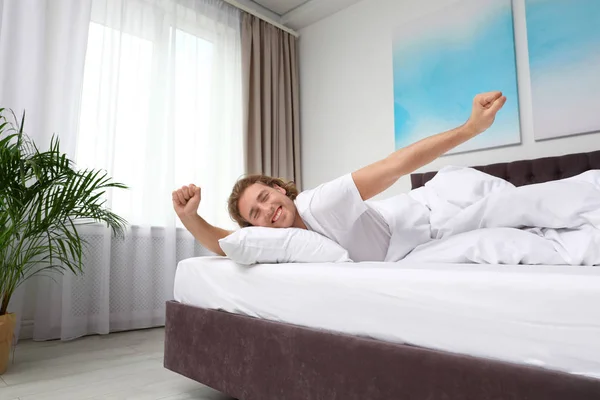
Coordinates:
[485,107]
[186,201]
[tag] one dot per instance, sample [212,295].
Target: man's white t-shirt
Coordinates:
[336,210]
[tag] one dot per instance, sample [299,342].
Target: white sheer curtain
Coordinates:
[160,107]
[42,52]
[42,55]
[162,102]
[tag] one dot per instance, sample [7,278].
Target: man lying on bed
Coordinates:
[336,209]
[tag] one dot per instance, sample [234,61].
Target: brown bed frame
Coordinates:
[256,359]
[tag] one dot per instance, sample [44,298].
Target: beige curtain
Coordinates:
[271,100]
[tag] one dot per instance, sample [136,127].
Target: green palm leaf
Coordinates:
[43,199]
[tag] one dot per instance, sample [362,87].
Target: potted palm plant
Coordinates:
[43,199]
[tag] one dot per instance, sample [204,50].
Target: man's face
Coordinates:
[262,205]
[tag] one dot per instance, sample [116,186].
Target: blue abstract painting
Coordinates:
[443,60]
[564,60]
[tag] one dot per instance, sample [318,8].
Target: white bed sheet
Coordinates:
[542,315]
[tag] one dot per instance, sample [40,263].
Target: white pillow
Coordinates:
[281,245]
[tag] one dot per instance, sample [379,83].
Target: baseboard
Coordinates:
[26,330]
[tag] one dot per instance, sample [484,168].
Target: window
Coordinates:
[161,107]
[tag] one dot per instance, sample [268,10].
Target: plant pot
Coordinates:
[7,329]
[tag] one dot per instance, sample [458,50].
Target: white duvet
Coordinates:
[464,216]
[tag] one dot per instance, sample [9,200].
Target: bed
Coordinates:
[475,332]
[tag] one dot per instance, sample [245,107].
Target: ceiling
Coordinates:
[281,7]
[297,14]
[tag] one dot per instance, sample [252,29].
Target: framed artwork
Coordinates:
[441,61]
[563,39]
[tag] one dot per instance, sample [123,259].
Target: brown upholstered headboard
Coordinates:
[526,172]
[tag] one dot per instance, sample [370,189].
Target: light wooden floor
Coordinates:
[117,366]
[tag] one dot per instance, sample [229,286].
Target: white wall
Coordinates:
[347,116]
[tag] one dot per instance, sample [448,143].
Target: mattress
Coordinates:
[548,316]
